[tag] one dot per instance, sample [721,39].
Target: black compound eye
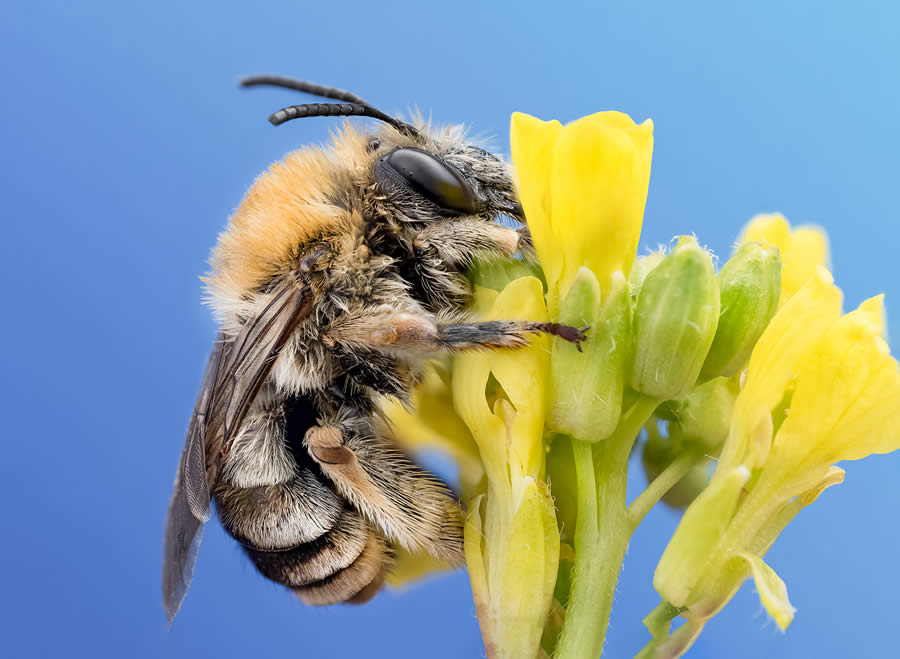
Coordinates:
[432,178]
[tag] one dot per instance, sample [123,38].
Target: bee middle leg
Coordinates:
[418,334]
[404,501]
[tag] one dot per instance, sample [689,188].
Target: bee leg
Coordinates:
[405,502]
[458,241]
[444,249]
[504,334]
[417,334]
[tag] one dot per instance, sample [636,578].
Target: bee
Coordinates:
[339,275]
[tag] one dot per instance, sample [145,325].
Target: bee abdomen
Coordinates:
[302,535]
[279,517]
[356,583]
[318,559]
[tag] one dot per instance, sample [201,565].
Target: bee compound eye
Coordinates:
[431,177]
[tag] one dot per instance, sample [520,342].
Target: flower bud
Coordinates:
[750,287]
[704,414]
[641,269]
[675,321]
[588,384]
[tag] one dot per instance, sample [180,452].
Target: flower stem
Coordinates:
[657,488]
[601,533]
[659,622]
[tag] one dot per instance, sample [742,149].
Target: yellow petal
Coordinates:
[524,376]
[470,377]
[872,312]
[774,363]
[511,444]
[484,299]
[533,143]
[834,476]
[770,229]
[686,558]
[601,172]
[410,567]
[809,250]
[845,402]
[802,250]
[772,591]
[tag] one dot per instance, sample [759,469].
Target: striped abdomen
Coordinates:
[297,530]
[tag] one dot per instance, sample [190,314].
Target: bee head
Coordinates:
[416,175]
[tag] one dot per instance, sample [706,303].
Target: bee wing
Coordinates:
[235,372]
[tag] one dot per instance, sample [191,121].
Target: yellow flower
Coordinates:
[522,376]
[802,249]
[820,388]
[583,187]
[511,534]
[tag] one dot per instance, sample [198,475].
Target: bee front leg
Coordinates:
[458,241]
[405,502]
[446,248]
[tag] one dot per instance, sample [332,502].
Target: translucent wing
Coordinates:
[235,372]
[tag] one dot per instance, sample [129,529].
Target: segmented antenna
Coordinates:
[354,107]
[302,86]
[338,110]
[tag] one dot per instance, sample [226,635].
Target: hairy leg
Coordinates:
[382,329]
[458,241]
[401,499]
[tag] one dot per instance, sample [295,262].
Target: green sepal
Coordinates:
[750,287]
[588,384]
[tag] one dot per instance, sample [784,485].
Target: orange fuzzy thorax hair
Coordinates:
[290,204]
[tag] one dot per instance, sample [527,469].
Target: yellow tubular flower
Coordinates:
[511,536]
[820,388]
[522,375]
[802,249]
[583,187]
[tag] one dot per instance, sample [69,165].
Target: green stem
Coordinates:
[659,622]
[659,486]
[601,533]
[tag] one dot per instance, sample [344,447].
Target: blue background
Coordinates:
[124,146]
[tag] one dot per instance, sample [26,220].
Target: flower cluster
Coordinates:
[753,367]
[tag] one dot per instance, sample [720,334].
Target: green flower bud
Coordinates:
[750,287]
[588,385]
[675,320]
[641,269]
[705,414]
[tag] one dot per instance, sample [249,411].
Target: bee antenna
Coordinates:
[339,110]
[304,86]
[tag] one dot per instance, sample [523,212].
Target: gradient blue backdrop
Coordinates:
[124,145]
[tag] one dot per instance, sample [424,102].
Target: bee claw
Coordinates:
[566,333]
